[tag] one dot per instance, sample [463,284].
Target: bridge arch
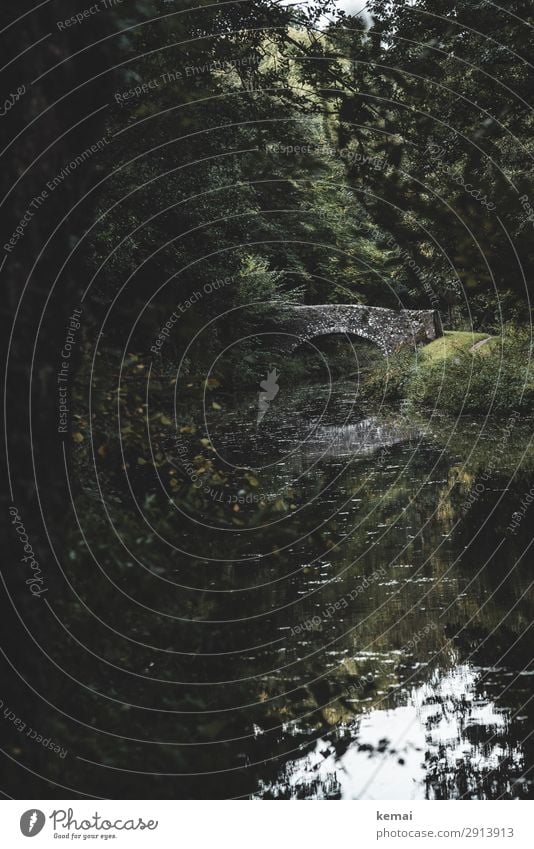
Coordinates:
[336,330]
[387,328]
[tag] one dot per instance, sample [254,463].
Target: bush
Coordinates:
[389,380]
[499,377]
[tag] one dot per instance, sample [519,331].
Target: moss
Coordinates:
[449,375]
[450,344]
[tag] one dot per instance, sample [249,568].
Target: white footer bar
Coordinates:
[264,825]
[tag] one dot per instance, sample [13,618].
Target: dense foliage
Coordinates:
[252,152]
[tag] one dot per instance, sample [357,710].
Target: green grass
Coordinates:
[447,375]
[451,344]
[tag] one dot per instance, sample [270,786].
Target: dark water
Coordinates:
[358,628]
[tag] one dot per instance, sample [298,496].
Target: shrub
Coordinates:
[499,377]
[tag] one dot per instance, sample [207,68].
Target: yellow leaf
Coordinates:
[78,437]
[216,406]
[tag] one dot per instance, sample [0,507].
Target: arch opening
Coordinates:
[345,354]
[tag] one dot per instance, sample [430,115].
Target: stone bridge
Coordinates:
[387,328]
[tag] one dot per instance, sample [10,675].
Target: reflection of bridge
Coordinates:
[389,329]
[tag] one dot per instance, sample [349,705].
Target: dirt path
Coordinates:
[479,344]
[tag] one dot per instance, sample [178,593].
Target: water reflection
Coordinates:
[362,634]
[438,744]
[355,440]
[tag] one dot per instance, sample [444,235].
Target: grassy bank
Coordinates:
[461,372]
